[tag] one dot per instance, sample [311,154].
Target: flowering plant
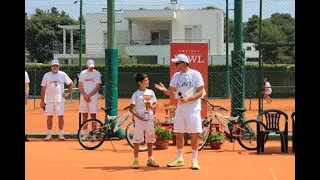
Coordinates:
[163,133]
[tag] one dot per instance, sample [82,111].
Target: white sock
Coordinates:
[50,131]
[195,155]
[60,132]
[150,157]
[179,153]
[135,158]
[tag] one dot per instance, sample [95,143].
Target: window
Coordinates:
[155,38]
[193,33]
[188,34]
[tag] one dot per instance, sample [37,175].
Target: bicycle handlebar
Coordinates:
[109,108]
[126,108]
[213,106]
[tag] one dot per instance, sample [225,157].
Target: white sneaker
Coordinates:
[61,137]
[49,137]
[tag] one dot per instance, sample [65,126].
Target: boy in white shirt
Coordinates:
[143,113]
[53,96]
[89,85]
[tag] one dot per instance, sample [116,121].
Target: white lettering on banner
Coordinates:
[189,51]
[195,59]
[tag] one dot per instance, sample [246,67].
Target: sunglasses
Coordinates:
[177,63]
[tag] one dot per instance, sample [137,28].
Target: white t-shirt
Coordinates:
[26,79]
[185,81]
[267,88]
[55,85]
[90,80]
[138,101]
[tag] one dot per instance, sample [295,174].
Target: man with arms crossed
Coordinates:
[188,113]
[89,85]
[53,96]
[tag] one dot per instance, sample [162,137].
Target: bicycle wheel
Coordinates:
[203,137]
[91,134]
[129,136]
[247,135]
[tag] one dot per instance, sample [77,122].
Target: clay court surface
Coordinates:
[67,160]
[36,120]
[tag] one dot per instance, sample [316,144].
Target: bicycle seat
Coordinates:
[240,110]
[106,108]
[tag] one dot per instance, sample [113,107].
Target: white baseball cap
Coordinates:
[182,58]
[55,62]
[90,63]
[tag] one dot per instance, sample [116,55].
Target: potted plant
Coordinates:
[163,135]
[216,139]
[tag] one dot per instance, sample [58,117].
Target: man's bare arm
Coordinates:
[197,95]
[95,90]
[43,91]
[26,91]
[169,91]
[81,89]
[70,87]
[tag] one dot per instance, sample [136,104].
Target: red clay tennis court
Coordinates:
[36,120]
[67,160]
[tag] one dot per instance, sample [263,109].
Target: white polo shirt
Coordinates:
[55,85]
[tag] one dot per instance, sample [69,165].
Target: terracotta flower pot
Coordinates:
[215,145]
[162,144]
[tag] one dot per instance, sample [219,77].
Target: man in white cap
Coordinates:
[89,85]
[53,96]
[188,113]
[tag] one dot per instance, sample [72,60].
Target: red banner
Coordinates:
[198,56]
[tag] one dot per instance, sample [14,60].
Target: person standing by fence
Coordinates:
[26,95]
[267,90]
[89,86]
[53,96]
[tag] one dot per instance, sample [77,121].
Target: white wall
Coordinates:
[211,22]
[142,30]
[95,32]
[162,51]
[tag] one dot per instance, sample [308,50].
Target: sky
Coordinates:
[250,7]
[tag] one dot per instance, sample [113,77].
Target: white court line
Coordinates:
[272,173]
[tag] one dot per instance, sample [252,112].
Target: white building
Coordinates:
[146,34]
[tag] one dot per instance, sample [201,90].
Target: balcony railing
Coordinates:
[58,49]
[140,42]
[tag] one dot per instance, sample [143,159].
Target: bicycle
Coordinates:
[100,131]
[233,127]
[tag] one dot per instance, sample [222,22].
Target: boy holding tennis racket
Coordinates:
[143,104]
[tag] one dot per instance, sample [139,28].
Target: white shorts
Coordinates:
[52,107]
[186,121]
[268,91]
[91,107]
[144,128]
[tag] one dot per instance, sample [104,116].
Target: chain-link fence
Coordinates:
[143,32]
